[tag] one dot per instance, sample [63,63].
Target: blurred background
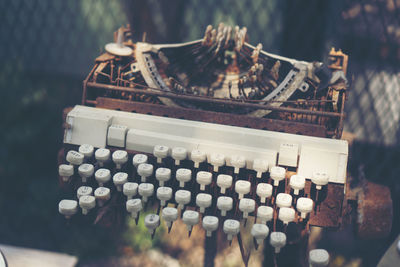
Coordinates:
[47,48]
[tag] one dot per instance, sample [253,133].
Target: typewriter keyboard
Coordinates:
[212,189]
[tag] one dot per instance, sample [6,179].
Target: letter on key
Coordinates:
[65,171]
[182,197]
[74,158]
[87,150]
[102,155]
[68,207]
[242,188]
[203,178]
[120,157]
[304,205]
[139,159]
[224,204]
[102,176]
[85,171]
[217,160]
[179,154]
[164,194]
[146,190]
[145,170]
[224,181]
[160,152]
[238,162]
[183,176]
[264,190]
[259,232]
[203,201]
[260,166]
[119,179]
[297,182]
[152,221]
[277,240]
[277,174]
[265,214]
[231,228]
[163,175]
[210,224]
[197,157]
[130,189]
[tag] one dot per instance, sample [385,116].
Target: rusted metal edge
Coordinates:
[213,100]
[213,117]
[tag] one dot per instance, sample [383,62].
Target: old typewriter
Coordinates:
[216,132]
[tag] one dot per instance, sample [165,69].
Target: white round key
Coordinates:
[277,174]
[85,171]
[283,200]
[265,214]
[84,191]
[145,170]
[160,152]
[231,228]
[130,189]
[87,203]
[203,201]
[134,206]
[139,159]
[197,156]
[297,182]
[119,179]
[164,194]
[224,181]
[74,157]
[120,157]
[102,176]
[163,175]
[264,190]
[247,205]
[87,150]
[203,178]
[65,171]
[178,154]
[67,207]
[152,221]
[242,188]
[190,218]
[318,258]
[182,197]
[169,215]
[146,190]
[277,240]
[260,166]
[238,162]
[102,155]
[102,195]
[224,204]
[259,232]
[304,205]
[320,178]
[210,224]
[217,160]
[183,176]
[286,215]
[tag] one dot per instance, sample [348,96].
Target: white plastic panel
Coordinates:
[144,141]
[89,125]
[320,159]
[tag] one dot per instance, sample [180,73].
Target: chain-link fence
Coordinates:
[48,46]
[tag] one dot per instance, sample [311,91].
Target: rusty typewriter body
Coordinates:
[221,109]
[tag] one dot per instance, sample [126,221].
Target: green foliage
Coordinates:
[138,237]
